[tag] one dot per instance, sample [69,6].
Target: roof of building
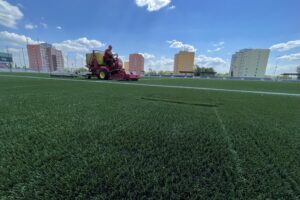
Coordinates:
[3,54]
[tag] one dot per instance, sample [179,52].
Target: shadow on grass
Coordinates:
[179,102]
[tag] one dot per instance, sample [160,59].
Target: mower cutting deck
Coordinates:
[97,68]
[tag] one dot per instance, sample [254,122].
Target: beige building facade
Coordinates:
[249,63]
[126,66]
[184,63]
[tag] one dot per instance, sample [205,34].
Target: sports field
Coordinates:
[152,139]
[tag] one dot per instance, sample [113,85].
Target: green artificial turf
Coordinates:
[269,86]
[86,140]
[34,74]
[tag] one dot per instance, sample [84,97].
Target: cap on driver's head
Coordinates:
[109,46]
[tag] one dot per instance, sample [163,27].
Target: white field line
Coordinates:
[154,79]
[148,79]
[17,87]
[161,86]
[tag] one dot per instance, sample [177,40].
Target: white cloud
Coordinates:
[30,26]
[215,50]
[73,50]
[290,57]
[147,55]
[59,27]
[79,45]
[16,44]
[219,64]
[44,25]
[218,47]
[286,46]
[180,45]
[9,14]
[172,7]
[219,44]
[20,5]
[15,39]
[158,64]
[167,64]
[123,58]
[284,68]
[153,5]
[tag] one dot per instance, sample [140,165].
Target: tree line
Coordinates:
[198,71]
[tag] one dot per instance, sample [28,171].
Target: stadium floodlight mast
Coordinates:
[20,60]
[10,64]
[67,57]
[24,59]
[276,66]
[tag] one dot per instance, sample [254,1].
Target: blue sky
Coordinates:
[157,28]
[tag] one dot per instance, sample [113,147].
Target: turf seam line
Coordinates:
[163,86]
[179,102]
[232,151]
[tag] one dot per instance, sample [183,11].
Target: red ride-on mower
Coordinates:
[98,68]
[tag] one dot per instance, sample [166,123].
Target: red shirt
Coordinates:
[108,54]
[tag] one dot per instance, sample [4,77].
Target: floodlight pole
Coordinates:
[20,59]
[276,67]
[10,66]
[24,58]
[67,60]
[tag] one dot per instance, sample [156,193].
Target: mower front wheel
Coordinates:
[103,75]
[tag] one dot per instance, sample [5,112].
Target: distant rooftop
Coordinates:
[3,54]
[249,49]
[43,44]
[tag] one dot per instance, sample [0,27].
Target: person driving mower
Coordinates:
[108,56]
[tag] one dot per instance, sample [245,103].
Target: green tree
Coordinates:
[164,72]
[203,71]
[151,72]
